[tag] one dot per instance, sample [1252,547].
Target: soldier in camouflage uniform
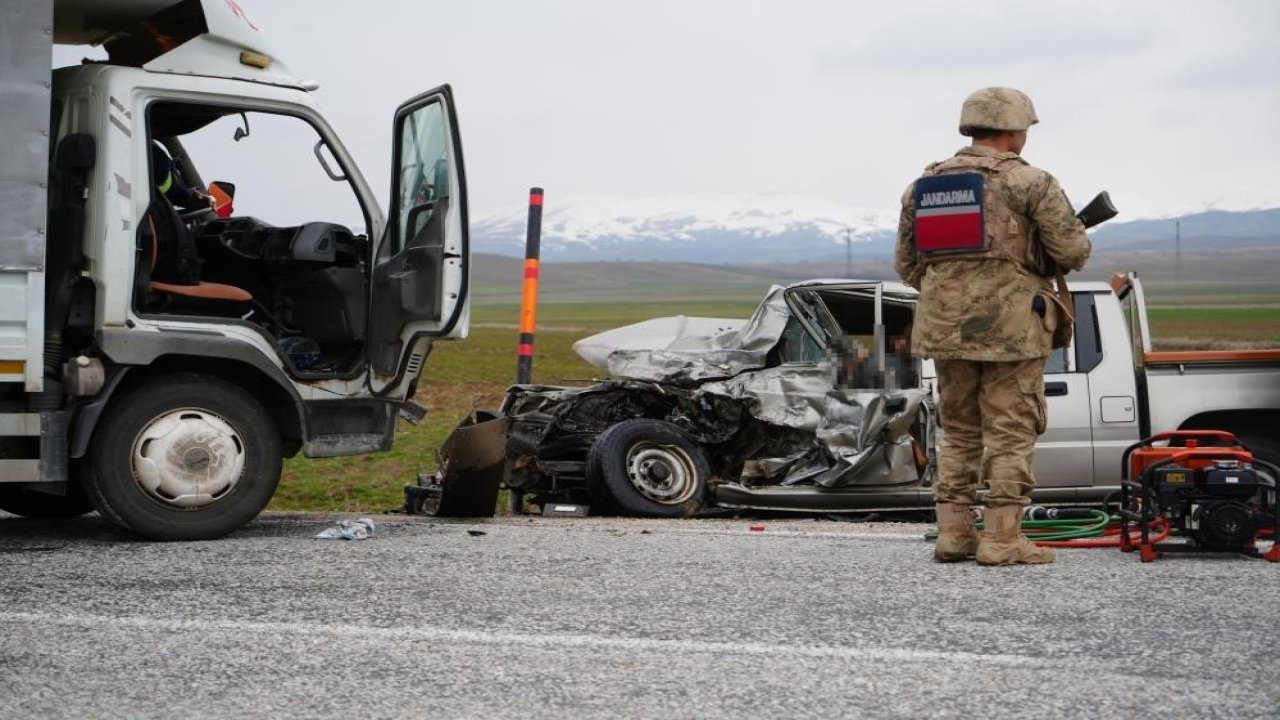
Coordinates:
[979,236]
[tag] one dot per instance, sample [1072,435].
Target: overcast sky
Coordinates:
[1171,105]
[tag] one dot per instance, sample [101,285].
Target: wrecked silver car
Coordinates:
[812,404]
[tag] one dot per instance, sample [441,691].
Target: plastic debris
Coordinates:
[359,529]
[756,528]
[476,533]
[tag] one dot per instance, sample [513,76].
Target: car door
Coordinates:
[1064,453]
[419,283]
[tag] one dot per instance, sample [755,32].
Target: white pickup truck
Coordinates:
[752,414]
[1111,389]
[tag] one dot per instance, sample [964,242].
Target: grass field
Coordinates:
[461,377]
[1220,326]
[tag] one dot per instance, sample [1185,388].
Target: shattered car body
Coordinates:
[804,406]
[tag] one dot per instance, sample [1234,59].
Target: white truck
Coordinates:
[161,351]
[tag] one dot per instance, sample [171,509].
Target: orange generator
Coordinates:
[1207,485]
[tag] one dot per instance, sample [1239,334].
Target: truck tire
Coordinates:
[23,501]
[650,468]
[184,457]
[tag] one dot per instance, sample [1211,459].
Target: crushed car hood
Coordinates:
[685,349]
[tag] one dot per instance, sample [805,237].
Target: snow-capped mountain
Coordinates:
[700,227]
[778,227]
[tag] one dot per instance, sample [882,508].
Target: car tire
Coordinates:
[26,502]
[184,457]
[650,468]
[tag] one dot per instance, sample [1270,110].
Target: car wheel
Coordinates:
[24,501]
[650,468]
[185,457]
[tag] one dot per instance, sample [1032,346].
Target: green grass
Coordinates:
[1220,326]
[595,317]
[461,377]
[1204,294]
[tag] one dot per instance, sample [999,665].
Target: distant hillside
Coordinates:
[497,278]
[702,228]
[1230,276]
[785,228]
[1219,228]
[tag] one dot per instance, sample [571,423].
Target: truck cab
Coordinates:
[200,281]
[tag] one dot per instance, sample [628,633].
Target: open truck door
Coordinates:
[419,283]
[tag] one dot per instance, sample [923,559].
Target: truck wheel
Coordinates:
[185,457]
[651,468]
[20,500]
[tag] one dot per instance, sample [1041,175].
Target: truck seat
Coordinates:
[198,296]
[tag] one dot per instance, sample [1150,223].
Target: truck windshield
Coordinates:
[274,167]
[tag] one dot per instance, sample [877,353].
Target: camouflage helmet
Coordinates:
[997,108]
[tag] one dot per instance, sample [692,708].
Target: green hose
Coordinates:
[1072,529]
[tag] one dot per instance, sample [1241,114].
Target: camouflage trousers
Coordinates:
[996,407]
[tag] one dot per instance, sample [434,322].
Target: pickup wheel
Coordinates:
[185,457]
[650,468]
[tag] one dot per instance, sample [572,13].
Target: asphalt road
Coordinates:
[617,618]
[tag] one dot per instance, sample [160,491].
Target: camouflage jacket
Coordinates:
[985,309]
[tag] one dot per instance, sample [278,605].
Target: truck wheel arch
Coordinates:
[279,399]
[1256,428]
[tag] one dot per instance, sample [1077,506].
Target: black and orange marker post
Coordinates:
[529,295]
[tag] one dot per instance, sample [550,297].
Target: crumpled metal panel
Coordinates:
[684,350]
[862,441]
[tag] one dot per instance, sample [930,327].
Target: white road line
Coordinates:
[513,639]
[800,533]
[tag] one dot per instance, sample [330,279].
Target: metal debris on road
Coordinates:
[359,529]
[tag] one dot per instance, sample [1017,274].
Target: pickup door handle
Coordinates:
[1055,388]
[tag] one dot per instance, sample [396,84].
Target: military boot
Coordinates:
[1002,541]
[957,539]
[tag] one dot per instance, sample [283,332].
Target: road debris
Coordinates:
[359,529]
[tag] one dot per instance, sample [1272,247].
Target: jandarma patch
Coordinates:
[949,213]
